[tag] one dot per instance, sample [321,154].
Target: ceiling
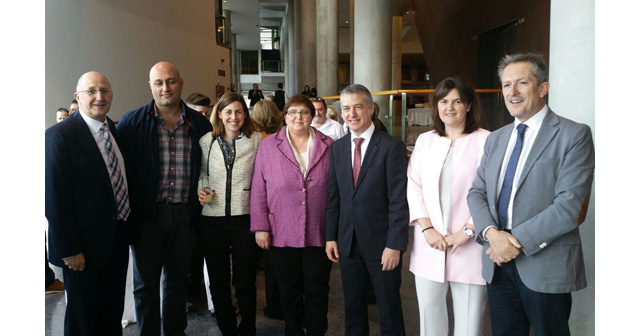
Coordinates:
[247,16]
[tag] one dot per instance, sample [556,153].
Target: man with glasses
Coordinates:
[160,141]
[87,207]
[327,126]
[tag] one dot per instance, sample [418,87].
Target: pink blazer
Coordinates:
[423,196]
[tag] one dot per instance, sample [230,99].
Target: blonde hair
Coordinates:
[266,116]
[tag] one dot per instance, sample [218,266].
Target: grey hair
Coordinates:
[357,88]
[540,70]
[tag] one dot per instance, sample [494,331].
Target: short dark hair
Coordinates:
[62,109]
[300,99]
[358,88]
[198,99]
[74,101]
[319,99]
[279,85]
[474,118]
[540,70]
[227,99]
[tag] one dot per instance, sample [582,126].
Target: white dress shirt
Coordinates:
[533,126]
[94,127]
[331,128]
[365,143]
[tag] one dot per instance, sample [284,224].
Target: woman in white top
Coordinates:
[444,255]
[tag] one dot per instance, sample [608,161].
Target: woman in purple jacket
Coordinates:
[288,199]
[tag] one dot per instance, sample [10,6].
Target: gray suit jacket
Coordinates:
[555,179]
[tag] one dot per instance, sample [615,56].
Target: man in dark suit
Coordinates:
[525,203]
[87,207]
[367,215]
[160,143]
[255,95]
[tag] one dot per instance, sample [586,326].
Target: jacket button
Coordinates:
[304,203]
[355,205]
[543,245]
[304,190]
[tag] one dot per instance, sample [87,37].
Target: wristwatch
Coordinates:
[470,233]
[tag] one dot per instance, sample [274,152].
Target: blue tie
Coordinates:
[507,184]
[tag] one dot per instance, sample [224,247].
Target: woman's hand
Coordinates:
[456,240]
[435,239]
[203,194]
[263,239]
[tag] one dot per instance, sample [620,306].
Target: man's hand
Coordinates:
[503,246]
[332,251]
[390,259]
[76,262]
[263,239]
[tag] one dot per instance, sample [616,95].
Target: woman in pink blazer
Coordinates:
[288,200]
[442,167]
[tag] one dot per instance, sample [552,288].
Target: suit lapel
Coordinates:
[546,133]
[285,148]
[495,165]
[319,147]
[87,144]
[369,155]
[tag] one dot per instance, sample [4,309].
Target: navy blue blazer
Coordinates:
[376,209]
[139,145]
[79,202]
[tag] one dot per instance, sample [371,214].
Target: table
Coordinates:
[419,116]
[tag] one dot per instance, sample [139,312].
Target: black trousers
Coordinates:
[514,308]
[95,296]
[303,279]
[163,247]
[386,286]
[224,237]
[273,307]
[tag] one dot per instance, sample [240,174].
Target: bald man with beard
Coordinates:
[160,141]
[87,207]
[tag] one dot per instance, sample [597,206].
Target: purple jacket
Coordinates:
[290,207]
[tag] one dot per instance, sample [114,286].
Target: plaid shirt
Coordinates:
[174,150]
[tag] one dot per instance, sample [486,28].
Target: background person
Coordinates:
[525,202]
[327,126]
[280,97]
[199,102]
[288,199]
[255,95]
[224,189]
[306,92]
[443,254]
[267,119]
[61,114]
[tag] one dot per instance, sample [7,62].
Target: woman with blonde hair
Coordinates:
[267,119]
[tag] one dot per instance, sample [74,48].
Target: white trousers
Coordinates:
[469,303]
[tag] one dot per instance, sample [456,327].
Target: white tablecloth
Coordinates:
[419,116]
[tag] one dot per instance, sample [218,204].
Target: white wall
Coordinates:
[123,39]
[572,95]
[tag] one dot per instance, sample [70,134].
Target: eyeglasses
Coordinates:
[93,92]
[317,99]
[295,113]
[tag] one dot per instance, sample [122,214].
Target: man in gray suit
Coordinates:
[525,201]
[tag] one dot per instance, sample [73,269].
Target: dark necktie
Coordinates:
[507,184]
[117,180]
[357,158]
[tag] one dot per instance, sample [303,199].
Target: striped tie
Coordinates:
[117,180]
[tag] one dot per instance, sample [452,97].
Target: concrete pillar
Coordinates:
[572,95]
[291,49]
[327,47]
[298,28]
[396,53]
[372,52]
[235,69]
[306,49]
[352,36]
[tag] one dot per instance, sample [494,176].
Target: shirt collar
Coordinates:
[366,135]
[534,123]
[94,125]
